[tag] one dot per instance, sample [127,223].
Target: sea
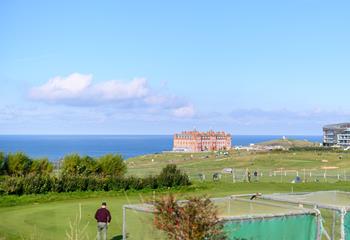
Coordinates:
[55,147]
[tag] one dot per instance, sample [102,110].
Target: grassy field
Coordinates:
[49,216]
[272,164]
[43,219]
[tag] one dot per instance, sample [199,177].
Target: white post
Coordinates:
[342,231]
[233,175]
[124,223]
[319,224]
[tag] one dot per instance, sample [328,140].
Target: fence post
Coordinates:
[342,227]
[124,223]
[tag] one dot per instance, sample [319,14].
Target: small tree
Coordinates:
[2,163]
[18,164]
[195,219]
[74,164]
[171,176]
[41,166]
[70,164]
[111,165]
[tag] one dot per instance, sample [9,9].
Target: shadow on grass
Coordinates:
[117,237]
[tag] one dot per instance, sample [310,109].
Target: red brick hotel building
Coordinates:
[194,141]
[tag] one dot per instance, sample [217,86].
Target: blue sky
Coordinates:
[155,67]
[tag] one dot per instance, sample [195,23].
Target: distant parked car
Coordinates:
[227,170]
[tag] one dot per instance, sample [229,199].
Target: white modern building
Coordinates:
[336,135]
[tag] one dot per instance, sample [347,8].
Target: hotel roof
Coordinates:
[337,126]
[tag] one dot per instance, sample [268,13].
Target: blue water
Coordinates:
[55,147]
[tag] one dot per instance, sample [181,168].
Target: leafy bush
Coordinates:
[195,219]
[171,176]
[18,164]
[2,163]
[106,166]
[73,164]
[41,166]
[111,165]
[37,184]
[13,185]
[43,183]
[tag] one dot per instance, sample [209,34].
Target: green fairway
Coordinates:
[43,219]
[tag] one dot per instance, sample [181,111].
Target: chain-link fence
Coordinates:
[273,175]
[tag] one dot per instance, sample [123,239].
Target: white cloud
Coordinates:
[117,90]
[79,90]
[184,112]
[59,88]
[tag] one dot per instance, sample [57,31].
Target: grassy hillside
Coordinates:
[312,162]
[289,143]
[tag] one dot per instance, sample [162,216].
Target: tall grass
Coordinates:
[76,230]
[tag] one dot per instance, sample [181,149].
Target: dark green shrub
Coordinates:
[171,176]
[37,184]
[111,166]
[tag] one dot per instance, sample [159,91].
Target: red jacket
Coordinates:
[103,215]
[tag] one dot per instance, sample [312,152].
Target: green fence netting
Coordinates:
[301,227]
[347,226]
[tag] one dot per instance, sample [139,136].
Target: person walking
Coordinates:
[103,218]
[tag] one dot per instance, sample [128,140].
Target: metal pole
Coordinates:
[124,223]
[342,231]
[319,224]
[333,225]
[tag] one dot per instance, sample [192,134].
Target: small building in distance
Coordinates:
[195,141]
[336,135]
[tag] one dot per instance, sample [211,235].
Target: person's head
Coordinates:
[104,205]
